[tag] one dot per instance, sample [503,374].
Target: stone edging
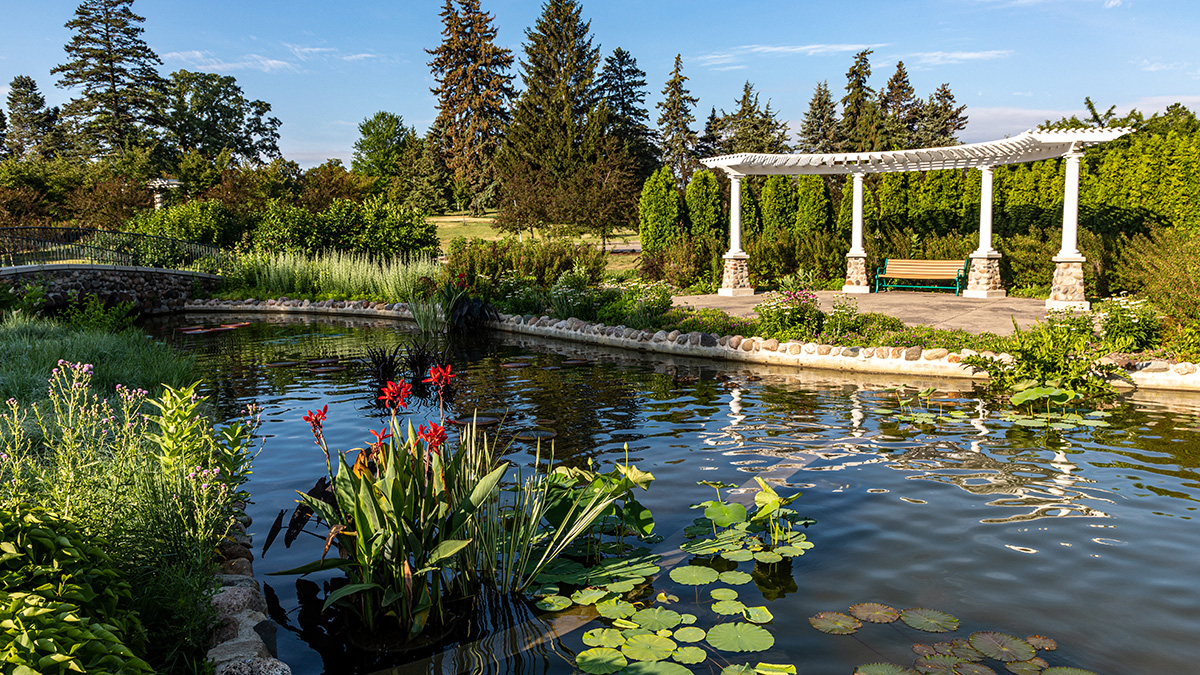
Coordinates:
[882,360]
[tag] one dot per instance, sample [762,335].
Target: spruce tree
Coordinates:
[32,127]
[115,70]
[474,95]
[819,132]
[751,128]
[623,89]
[677,140]
[940,119]
[900,109]
[709,143]
[859,110]
[3,136]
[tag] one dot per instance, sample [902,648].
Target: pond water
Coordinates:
[1087,536]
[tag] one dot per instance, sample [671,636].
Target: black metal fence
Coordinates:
[49,245]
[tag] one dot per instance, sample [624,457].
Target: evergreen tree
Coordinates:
[900,109]
[623,89]
[752,128]
[709,144]
[474,94]
[703,197]
[33,129]
[659,212]
[115,69]
[940,120]
[859,111]
[3,136]
[208,113]
[678,141]
[779,203]
[812,204]
[427,188]
[819,132]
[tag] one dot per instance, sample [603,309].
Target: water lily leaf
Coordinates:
[943,648]
[737,669]
[1033,666]
[740,637]
[554,603]
[724,515]
[627,624]
[689,655]
[923,649]
[694,575]
[1094,423]
[767,557]
[793,550]
[687,619]
[874,612]
[1035,424]
[1063,426]
[562,570]
[589,596]
[689,634]
[603,637]
[716,484]
[1041,642]
[734,578]
[962,648]
[600,660]
[938,664]
[883,669]
[655,668]
[835,623]
[1060,670]
[615,608]
[1002,646]
[656,618]
[728,607]
[770,668]
[973,669]
[647,648]
[723,594]
[663,633]
[929,620]
[620,586]
[666,597]
[740,555]
[758,615]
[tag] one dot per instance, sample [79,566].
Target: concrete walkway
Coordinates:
[940,310]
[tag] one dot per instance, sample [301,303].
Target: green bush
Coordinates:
[707,320]
[284,228]
[481,263]
[1184,342]
[659,211]
[205,221]
[1129,324]
[791,313]
[694,262]
[390,229]
[91,314]
[1164,268]
[703,199]
[641,305]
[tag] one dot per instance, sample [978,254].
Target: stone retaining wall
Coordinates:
[150,289]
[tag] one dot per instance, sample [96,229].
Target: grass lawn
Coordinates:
[451,226]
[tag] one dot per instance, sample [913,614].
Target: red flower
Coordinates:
[380,437]
[395,395]
[434,437]
[439,376]
[315,419]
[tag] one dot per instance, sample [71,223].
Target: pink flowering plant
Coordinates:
[789,314]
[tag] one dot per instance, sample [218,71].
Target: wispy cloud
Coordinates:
[359,57]
[947,58]
[1158,66]
[203,60]
[731,59]
[306,53]
[992,123]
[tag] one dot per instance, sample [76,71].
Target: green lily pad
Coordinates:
[687,619]
[738,669]
[758,615]
[1002,646]
[793,550]
[603,637]
[923,650]
[656,618]
[629,625]
[740,555]
[615,608]
[600,660]
[655,668]
[873,612]
[962,648]
[835,623]
[647,648]
[723,594]
[724,515]
[664,633]
[694,575]
[767,557]
[1060,670]
[929,620]
[728,607]
[1041,642]
[1033,666]
[554,603]
[548,589]
[589,596]
[689,634]
[620,586]
[739,637]
[938,664]
[973,669]
[734,578]
[768,668]
[689,655]
[883,669]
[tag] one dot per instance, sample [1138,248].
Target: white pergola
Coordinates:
[984,282]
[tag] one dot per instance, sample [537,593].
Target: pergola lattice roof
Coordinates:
[1028,146]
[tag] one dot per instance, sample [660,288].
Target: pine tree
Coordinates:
[819,130]
[622,88]
[709,143]
[900,109]
[940,120]
[33,129]
[677,140]
[474,94]
[115,69]
[859,111]
[751,128]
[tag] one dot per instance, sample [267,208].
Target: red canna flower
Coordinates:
[396,395]
[439,376]
[434,437]
[380,437]
[315,419]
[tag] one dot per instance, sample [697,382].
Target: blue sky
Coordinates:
[325,65]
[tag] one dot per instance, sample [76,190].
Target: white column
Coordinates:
[735,215]
[856,232]
[1070,233]
[985,213]
[983,277]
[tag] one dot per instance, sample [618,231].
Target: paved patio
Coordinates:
[940,310]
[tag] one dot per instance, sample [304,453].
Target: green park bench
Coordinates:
[900,273]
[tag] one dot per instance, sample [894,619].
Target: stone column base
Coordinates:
[1066,292]
[983,279]
[856,275]
[735,281]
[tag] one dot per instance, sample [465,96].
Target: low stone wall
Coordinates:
[150,289]
[884,360]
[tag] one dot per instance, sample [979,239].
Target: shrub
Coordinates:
[1164,268]
[571,297]
[483,262]
[641,305]
[703,197]
[687,262]
[206,221]
[1184,342]
[285,228]
[1128,324]
[389,229]
[659,212]
[794,313]
[707,320]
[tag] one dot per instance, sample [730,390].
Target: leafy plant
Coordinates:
[1129,324]
[792,312]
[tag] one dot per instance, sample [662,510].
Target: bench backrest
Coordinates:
[899,268]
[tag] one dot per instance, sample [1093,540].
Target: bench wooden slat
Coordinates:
[928,270]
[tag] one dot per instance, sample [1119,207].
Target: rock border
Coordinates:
[940,363]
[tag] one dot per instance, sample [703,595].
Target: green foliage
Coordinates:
[641,305]
[779,203]
[675,124]
[1184,342]
[1129,324]
[377,226]
[383,145]
[571,296]
[92,315]
[813,213]
[481,263]
[694,263]
[792,312]
[704,209]
[333,274]
[659,212]
[1164,268]
[204,221]
[207,113]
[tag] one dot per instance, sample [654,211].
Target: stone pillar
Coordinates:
[856,259]
[1066,291]
[736,279]
[983,279]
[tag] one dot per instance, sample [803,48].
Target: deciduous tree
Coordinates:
[384,146]
[208,113]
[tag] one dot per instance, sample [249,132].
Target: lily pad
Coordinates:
[694,575]
[723,594]
[535,435]
[1060,670]
[1033,666]
[603,637]
[554,603]
[655,668]
[835,623]
[970,668]
[689,634]
[738,669]
[734,578]
[1041,642]
[873,612]
[589,596]
[883,669]
[620,586]
[923,649]
[767,557]
[758,615]
[687,619]
[724,515]
[647,648]
[767,668]
[929,620]
[615,608]
[689,655]
[793,550]
[740,637]
[1002,646]
[740,555]
[938,664]
[656,618]
[600,660]
[728,607]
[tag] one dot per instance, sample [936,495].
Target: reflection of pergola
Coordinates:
[984,281]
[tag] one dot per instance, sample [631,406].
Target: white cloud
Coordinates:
[946,58]
[359,57]
[1158,66]
[731,59]
[1149,105]
[304,53]
[992,123]
[203,60]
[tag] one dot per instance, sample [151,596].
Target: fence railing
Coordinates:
[49,245]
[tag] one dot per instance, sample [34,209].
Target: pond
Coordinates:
[1085,535]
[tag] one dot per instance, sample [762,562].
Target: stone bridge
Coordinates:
[150,289]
